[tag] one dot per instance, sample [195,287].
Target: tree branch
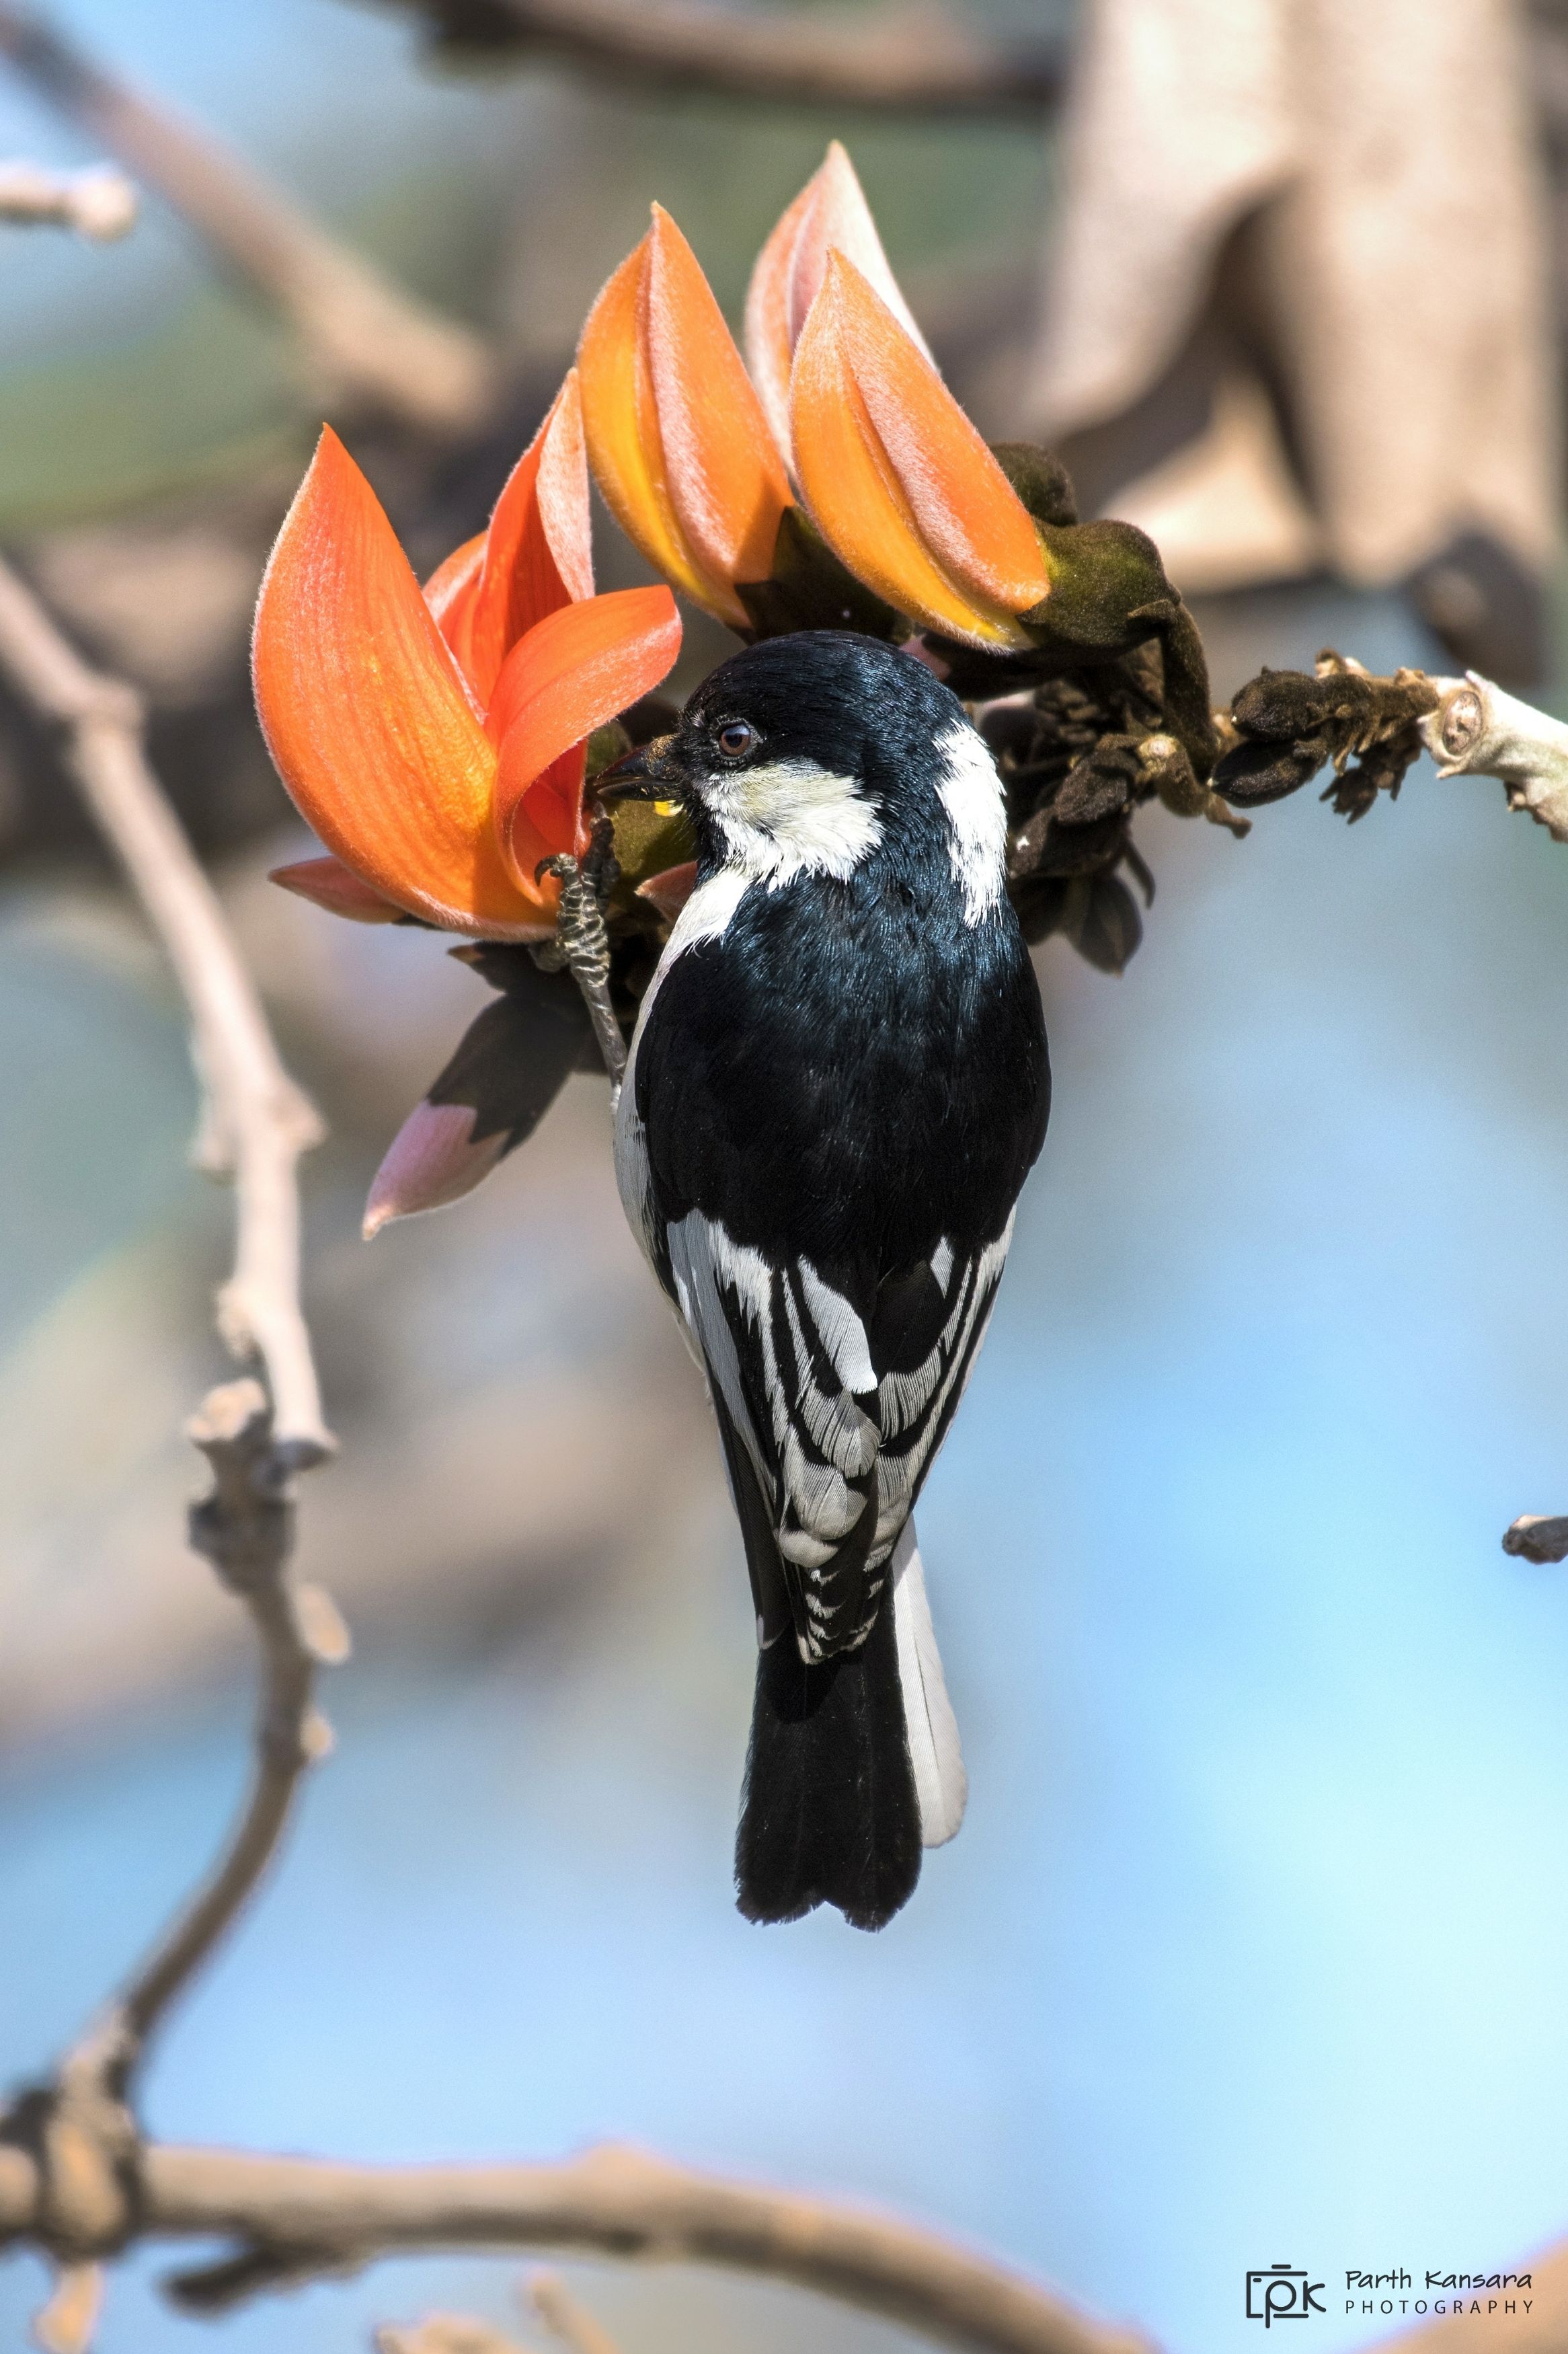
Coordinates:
[100,203]
[367,341]
[246,1529]
[904,59]
[310,2216]
[256,1122]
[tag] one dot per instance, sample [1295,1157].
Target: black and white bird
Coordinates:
[838,1084]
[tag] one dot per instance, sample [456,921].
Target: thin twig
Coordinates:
[566,2320]
[366,341]
[256,1122]
[79,2129]
[246,1529]
[99,203]
[445,2333]
[904,59]
[304,2215]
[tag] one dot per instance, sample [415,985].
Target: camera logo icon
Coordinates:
[1283,2292]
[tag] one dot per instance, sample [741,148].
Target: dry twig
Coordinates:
[365,340]
[445,2333]
[245,1528]
[257,1122]
[566,2320]
[906,59]
[100,203]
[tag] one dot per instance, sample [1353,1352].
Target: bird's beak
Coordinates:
[648,774]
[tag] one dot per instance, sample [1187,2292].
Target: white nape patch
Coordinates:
[970,792]
[792,817]
[942,1263]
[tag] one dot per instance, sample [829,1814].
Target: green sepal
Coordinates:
[809,588]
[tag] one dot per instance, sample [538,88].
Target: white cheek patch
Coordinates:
[792,817]
[970,793]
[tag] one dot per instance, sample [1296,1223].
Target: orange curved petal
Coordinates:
[573,671]
[899,481]
[538,553]
[769,342]
[726,476]
[366,715]
[829,213]
[328,882]
[449,593]
[676,436]
[455,578]
[622,425]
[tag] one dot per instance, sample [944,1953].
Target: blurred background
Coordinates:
[1253,1944]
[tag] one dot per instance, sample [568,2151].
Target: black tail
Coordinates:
[830,1814]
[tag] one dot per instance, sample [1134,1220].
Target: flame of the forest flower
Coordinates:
[436,741]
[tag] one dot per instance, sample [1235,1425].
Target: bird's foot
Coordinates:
[581,944]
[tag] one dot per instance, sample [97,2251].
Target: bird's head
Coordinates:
[806,752]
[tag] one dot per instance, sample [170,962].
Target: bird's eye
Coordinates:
[735,739]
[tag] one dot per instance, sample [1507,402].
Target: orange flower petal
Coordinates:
[899,481]
[455,579]
[676,436]
[769,341]
[328,882]
[726,476]
[572,673]
[622,426]
[829,213]
[366,715]
[449,593]
[538,552]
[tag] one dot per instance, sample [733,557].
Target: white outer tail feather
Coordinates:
[941,1785]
